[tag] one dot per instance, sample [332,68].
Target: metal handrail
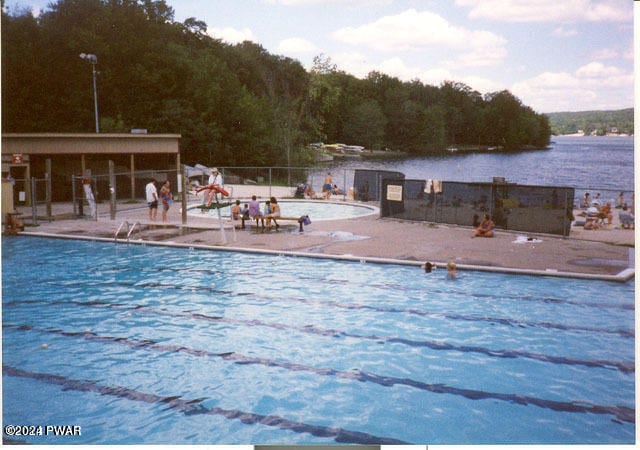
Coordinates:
[133,227]
[115,236]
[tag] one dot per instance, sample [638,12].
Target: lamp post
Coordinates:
[93,59]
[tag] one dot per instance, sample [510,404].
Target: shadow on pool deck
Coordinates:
[601,253]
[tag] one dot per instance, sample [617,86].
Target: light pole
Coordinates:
[93,59]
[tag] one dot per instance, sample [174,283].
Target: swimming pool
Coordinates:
[316,210]
[144,344]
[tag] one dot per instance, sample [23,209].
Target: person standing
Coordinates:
[327,185]
[88,192]
[166,199]
[152,199]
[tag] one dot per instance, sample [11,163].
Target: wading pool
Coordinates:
[316,210]
[141,344]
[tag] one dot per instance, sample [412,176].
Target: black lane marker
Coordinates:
[623,366]
[622,413]
[194,407]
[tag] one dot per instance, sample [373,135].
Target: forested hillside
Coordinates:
[597,122]
[233,104]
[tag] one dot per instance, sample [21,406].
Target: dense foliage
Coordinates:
[233,104]
[596,122]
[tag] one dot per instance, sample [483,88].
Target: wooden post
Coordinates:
[133,177]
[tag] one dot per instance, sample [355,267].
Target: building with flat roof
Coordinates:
[33,155]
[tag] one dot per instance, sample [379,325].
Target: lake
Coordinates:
[597,163]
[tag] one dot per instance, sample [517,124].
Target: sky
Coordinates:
[554,55]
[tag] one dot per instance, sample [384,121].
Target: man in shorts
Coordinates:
[152,199]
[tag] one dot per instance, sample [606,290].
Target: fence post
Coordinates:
[73,195]
[112,190]
[48,192]
[182,186]
[34,206]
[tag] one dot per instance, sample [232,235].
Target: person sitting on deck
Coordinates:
[605,213]
[485,229]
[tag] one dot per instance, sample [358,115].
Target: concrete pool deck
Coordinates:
[604,254]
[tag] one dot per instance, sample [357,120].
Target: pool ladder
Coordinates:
[130,229]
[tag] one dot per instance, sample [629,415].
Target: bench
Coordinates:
[300,220]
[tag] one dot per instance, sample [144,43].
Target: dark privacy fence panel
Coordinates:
[540,209]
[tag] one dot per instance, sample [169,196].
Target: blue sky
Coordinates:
[554,55]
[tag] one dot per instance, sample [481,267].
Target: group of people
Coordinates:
[451,269]
[154,197]
[252,211]
[599,214]
[329,188]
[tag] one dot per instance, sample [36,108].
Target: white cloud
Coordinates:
[565,32]
[358,65]
[605,53]
[590,87]
[231,35]
[418,31]
[569,11]
[296,45]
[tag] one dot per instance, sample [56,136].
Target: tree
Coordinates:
[365,125]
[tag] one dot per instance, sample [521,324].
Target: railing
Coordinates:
[130,229]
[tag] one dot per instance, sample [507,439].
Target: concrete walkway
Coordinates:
[607,253]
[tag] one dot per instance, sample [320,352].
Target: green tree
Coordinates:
[365,125]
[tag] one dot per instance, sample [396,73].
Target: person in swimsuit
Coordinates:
[485,229]
[327,186]
[274,212]
[165,199]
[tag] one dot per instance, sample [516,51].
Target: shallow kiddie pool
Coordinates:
[316,210]
[146,344]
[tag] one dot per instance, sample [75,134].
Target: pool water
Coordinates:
[316,210]
[158,345]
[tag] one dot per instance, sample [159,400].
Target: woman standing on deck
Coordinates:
[165,199]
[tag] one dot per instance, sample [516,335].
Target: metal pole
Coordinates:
[73,194]
[95,94]
[34,207]
[112,190]
[183,194]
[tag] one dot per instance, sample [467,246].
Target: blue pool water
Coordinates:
[316,210]
[146,344]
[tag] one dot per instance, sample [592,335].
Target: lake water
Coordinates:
[589,162]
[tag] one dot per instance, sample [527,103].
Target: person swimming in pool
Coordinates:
[451,270]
